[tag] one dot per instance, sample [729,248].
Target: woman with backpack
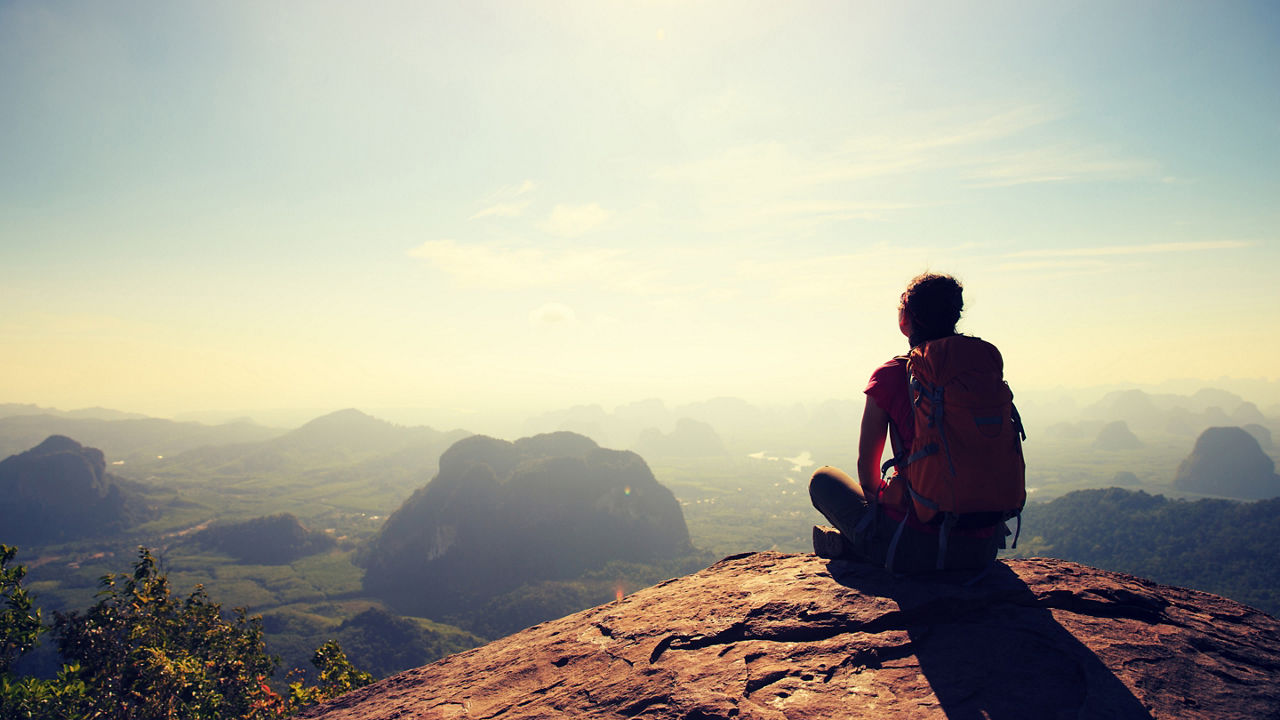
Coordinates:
[948,417]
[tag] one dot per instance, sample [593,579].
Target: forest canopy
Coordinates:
[1220,546]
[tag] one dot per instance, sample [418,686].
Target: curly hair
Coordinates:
[933,303]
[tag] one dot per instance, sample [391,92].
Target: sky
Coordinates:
[522,206]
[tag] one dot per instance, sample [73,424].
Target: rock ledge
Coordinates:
[771,636]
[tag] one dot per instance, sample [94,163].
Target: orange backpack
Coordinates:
[965,466]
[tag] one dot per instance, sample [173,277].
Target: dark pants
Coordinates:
[839,498]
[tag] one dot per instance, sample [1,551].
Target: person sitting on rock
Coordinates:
[876,524]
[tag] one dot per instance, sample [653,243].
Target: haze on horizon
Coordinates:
[496,206]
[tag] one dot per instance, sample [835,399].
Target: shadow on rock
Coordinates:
[994,650]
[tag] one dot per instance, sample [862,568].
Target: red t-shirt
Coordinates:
[888,388]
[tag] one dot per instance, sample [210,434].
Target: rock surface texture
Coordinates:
[770,635]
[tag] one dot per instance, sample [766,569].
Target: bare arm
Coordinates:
[875,427]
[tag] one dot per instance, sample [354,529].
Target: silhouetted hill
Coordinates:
[1147,413]
[347,427]
[1261,434]
[345,437]
[1227,461]
[1116,436]
[1135,407]
[1207,398]
[381,643]
[502,514]
[767,636]
[589,420]
[60,491]
[93,413]
[691,438]
[270,540]
[734,418]
[1247,413]
[1124,478]
[737,422]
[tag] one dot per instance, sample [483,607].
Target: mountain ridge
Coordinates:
[345,436]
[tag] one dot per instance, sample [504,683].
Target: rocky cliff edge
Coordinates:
[772,636]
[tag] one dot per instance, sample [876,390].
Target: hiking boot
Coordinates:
[828,542]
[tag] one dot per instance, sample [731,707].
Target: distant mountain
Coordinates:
[128,440]
[1074,430]
[691,438]
[93,413]
[738,423]
[737,420]
[381,643]
[1146,413]
[270,540]
[1116,436]
[1207,398]
[1136,407]
[1261,434]
[589,420]
[500,514]
[1246,414]
[346,437]
[1124,478]
[375,640]
[60,491]
[1228,462]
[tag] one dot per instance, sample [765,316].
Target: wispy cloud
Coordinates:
[504,203]
[551,316]
[1148,249]
[744,186]
[487,266]
[680,278]
[671,278]
[924,142]
[950,131]
[575,220]
[513,209]
[1057,164]
[873,173]
[831,277]
[1104,258]
[1057,265]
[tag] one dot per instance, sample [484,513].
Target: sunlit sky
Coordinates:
[478,206]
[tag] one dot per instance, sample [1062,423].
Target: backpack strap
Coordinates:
[900,450]
[937,413]
[898,461]
[917,390]
[893,544]
[948,522]
[866,524]
[1017,423]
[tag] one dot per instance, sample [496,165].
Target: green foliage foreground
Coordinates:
[141,653]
